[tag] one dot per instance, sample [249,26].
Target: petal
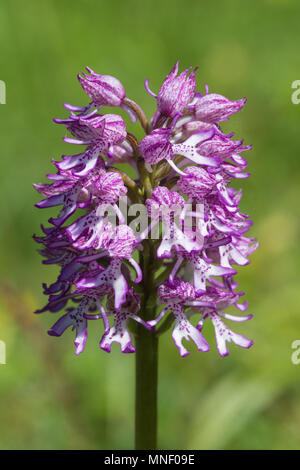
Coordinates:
[235,317]
[81,337]
[241,340]
[121,289]
[224,334]
[118,334]
[159,317]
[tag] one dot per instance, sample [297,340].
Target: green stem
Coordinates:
[146,361]
[146,390]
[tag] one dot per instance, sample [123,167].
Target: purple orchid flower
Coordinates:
[214,108]
[119,332]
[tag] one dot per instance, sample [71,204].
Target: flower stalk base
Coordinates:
[146,390]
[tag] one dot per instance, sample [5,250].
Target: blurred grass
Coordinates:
[51,399]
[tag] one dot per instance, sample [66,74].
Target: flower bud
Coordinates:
[104,90]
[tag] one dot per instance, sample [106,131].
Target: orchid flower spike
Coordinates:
[179,256]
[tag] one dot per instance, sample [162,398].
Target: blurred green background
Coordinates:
[48,397]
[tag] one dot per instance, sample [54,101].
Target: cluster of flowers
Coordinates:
[185,158]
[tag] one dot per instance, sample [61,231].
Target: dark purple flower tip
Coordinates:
[52,332]
[106,348]
[129,349]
